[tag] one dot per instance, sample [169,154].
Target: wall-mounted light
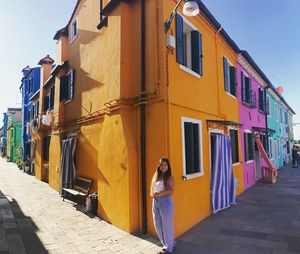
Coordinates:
[190,9]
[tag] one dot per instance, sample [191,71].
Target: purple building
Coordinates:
[252,107]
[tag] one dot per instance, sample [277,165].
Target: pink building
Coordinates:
[251,95]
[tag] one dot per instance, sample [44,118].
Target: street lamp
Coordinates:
[190,9]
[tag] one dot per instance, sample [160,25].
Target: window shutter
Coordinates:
[260,98]
[46,103]
[246,146]
[196,167]
[243,87]
[196,52]
[226,81]
[234,145]
[247,90]
[63,88]
[189,153]
[72,77]
[52,97]
[179,39]
[37,108]
[232,80]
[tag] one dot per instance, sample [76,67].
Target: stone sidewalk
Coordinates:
[265,220]
[34,220]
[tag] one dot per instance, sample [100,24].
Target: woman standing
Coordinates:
[162,187]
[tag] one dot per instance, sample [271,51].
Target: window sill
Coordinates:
[67,102]
[191,176]
[248,162]
[188,70]
[231,95]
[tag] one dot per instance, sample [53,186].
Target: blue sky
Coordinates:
[26,31]
[267,29]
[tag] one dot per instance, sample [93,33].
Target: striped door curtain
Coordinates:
[222,182]
[68,171]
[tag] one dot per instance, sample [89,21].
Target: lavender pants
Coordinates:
[163,213]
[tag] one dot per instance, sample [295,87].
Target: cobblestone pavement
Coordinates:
[265,220]
[34,220]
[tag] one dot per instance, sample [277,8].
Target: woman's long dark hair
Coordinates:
[167,174]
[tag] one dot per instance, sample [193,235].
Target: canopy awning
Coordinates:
[217,123]
[264,131]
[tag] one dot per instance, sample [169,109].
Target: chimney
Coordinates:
[46,68]
[62,45]
[25,71]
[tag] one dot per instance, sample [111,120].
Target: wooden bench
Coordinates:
[81,189]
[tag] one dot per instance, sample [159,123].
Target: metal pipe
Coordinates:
[143,120]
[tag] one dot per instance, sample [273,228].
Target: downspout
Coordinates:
[218,78]
[143,121]
[266,118]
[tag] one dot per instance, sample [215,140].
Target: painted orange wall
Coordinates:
[198,98]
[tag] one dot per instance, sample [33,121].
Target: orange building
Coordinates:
[129,94]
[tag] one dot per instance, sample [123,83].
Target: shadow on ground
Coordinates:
[17,231]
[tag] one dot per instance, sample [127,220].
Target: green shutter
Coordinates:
[189,151]
[225,67]
[179,39]
[196,52]
[232,80]
[63,88]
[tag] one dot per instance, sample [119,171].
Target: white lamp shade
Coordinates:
[191,8]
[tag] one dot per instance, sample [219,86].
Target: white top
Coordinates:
[158,186]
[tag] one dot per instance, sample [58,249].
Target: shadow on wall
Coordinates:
[19,230]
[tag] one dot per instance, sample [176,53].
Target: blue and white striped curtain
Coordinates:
[68,172]
[222,182]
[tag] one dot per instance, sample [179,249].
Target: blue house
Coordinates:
[29,86]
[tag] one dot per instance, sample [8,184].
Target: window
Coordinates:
[268,105]
[249,146]
[234,145]
[46,144]
[46,103]
[74,30]
[30,85]
[270,149]
[229,77]
[192,147]
[67,86]
[188,45]
[51,98]
[261,98]
[276,111]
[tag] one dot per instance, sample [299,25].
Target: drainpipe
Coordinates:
[266,117]
[143,121]
[218,78]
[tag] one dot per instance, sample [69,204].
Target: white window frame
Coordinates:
[188,48]
[249,161]
[238,150]
[201,173]
[71,29]
[228,77]
[69,86]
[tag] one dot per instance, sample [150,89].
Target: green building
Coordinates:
[14,134]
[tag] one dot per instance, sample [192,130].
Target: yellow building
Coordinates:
[122,92]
